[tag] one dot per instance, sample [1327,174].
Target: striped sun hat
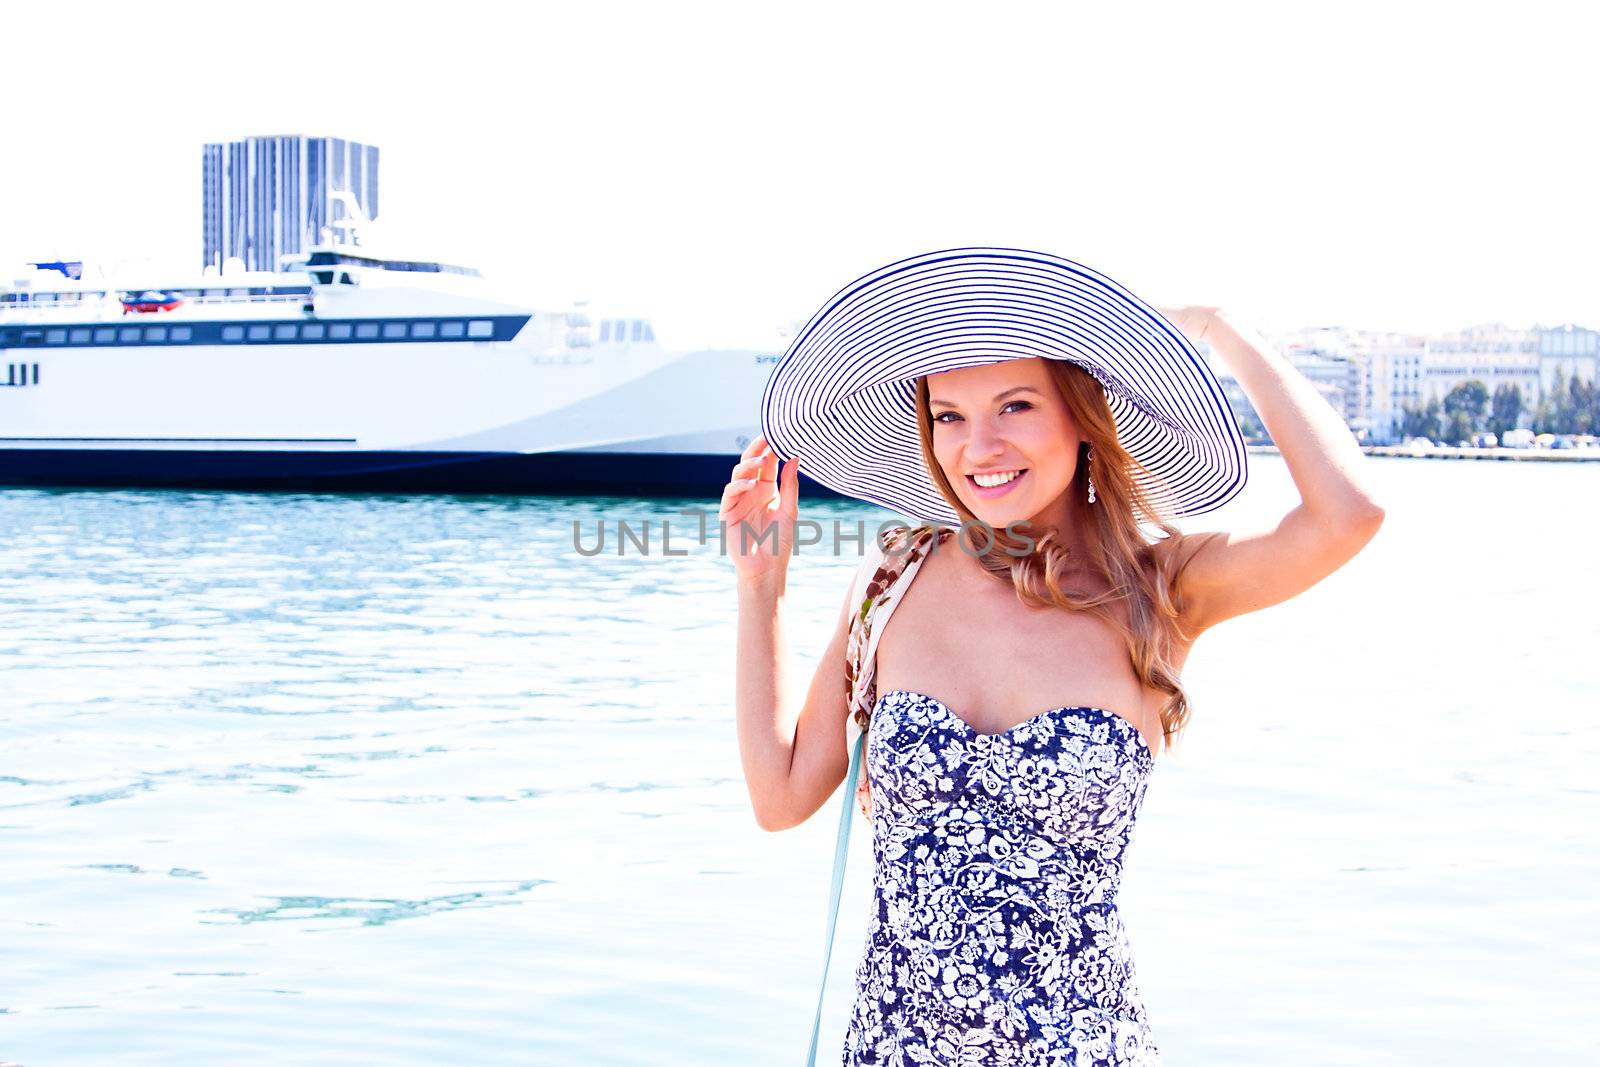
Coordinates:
[843,397]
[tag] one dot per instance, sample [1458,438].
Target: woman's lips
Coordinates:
[990,492]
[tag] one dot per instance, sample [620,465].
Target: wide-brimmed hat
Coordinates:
[843,397]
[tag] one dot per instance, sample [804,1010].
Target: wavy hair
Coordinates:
[1115,547]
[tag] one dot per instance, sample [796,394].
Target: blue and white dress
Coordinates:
[994,937]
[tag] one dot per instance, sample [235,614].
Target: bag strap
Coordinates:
[840,854]
[862,614]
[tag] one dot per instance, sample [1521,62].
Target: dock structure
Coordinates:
[1559,455]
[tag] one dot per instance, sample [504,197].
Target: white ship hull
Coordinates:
[386,384]
[466,415]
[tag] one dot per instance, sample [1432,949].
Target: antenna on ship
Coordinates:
[355,222]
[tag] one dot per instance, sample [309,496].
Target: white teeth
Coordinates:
[988,481]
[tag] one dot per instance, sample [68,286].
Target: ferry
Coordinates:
[353,369]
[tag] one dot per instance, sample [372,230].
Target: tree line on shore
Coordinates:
[1570,405]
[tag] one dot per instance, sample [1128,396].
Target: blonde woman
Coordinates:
[1045,425]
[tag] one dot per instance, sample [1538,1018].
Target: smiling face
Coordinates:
[1005,419]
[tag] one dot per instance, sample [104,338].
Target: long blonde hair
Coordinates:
[1115,547]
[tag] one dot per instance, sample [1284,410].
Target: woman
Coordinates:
[1036,414]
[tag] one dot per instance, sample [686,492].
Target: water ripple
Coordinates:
[375,912]
[214,701]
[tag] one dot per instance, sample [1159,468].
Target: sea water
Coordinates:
[357,779]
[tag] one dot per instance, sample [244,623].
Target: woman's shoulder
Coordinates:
[1176,550]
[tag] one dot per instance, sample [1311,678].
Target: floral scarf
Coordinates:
[905,548]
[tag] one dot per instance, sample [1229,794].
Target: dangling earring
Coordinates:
[1091,474]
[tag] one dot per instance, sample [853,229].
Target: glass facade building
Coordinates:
[267,197]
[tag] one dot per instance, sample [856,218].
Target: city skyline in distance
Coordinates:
[724,189]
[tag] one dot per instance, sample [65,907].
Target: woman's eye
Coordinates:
[941,416]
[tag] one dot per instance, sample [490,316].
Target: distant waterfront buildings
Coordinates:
[1333,361]
[1495,355]
[1371,377]
[267,197]
[1571,351]
[1394,379]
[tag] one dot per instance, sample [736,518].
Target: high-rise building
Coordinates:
[267,197]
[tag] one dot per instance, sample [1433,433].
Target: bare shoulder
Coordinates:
[1226,573]
[1175,553]
[1174,557]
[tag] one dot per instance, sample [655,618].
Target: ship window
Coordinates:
[104,336]
[649,334]
[423,329]
[394,329]
[233,333]
[181,334]
[638,329]
[605,330]
[480,328]
[259,333]
[283,332]
[312,331]
[155,333]
[339,331]
[55,337]
[128,333]
[366,330]
[238,292]
[452,329]
[80,337]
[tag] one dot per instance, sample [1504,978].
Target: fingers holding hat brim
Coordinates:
[760,466]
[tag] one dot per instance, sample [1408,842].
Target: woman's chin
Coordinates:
[994,514]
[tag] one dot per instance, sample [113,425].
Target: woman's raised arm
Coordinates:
[1233,573]
[793,761]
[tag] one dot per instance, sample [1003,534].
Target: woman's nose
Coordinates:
[983,442]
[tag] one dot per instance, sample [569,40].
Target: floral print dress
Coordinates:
[994,937]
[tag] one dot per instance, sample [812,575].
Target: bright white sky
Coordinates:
[725,167]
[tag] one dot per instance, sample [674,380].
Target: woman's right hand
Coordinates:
[753,502]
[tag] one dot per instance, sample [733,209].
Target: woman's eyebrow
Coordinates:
[998,396]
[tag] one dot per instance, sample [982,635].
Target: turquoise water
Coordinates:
[388,780]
